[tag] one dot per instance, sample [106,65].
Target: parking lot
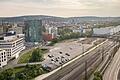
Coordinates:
[65,51]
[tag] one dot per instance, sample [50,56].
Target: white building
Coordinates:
[80,29]
[53,31]
[107,30]
[13,45]
[3,58]
[102,31]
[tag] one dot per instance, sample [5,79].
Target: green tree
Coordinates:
[97,76]
[20,76]
[37,55]
[7,74]
[1,76]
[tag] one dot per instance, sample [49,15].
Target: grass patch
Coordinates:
[25,58]
[18,69]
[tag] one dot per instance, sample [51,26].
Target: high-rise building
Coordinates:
[33,30]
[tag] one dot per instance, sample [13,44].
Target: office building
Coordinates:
[33,31]
[12,44]
[3,58]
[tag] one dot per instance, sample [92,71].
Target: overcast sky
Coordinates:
[63,8]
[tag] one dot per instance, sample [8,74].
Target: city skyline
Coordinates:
[62,8]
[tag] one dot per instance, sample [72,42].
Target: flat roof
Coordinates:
[12,38]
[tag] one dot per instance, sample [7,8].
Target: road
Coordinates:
[75,70]
[112,71]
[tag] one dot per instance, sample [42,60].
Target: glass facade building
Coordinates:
[33,30]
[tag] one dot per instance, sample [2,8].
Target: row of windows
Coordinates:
[12,44]
[2,54]
[19,43]
[17,50]
[18,46]
[6,44]
[3,60]
[2,57]
[9,55]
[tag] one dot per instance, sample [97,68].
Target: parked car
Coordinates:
[50,56]
[67,54]
[60,52]
[52,59]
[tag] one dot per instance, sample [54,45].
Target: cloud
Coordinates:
[60,7]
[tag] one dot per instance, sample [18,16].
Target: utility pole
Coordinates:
[82,48]
[61,62]
[102,53]
[86,70]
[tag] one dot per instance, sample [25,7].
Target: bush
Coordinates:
[28,73]
[97,76]
[7,75]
